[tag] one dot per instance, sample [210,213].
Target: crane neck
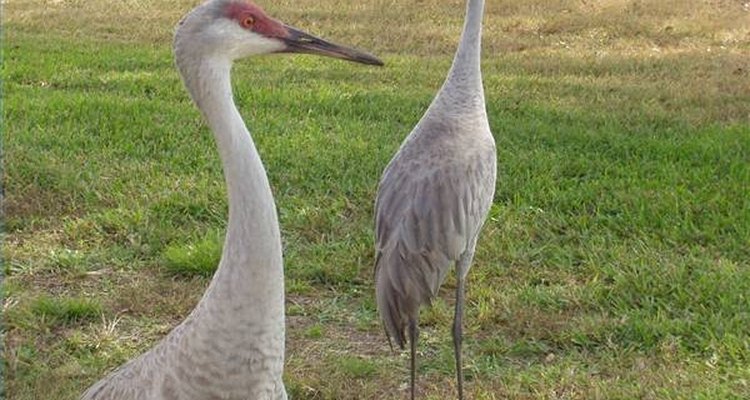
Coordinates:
[464,82]
[469,48]
[251,267]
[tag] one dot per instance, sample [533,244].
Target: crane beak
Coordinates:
[298,41]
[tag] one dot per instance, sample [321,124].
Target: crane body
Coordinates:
[433,199]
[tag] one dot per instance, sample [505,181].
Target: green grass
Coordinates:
[200,258]
[614,264]
[64,311]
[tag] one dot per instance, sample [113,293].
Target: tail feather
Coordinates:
[404,281]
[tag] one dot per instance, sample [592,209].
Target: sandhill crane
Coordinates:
[231,346]
[433,199]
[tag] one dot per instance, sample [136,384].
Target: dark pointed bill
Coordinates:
[300,42]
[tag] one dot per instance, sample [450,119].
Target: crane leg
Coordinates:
[462,269]
[457,331]
[413,335]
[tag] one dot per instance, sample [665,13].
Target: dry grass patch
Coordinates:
[429,27]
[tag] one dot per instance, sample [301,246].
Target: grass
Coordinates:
[200,258]
[614,264]
[65,311]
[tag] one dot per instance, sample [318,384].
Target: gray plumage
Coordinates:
[433,198]
[231,346]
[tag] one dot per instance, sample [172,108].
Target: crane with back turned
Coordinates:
[231,346]
[433,199]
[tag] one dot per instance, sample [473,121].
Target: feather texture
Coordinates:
[432,200]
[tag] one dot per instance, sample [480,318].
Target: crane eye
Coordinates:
[247,22]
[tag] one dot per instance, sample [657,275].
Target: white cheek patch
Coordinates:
[238,42]
[254,43]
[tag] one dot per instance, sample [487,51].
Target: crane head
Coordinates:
[240,28]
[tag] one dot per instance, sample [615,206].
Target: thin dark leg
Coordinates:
[387,336]
[413,334]
[457,330]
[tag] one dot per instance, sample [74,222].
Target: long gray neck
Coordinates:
[250,273]
[464,82]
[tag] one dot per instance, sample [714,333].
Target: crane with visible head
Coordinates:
[433,199]
[231,346]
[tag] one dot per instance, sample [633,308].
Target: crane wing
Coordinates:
[425,219]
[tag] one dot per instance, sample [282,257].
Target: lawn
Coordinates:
[615,263]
